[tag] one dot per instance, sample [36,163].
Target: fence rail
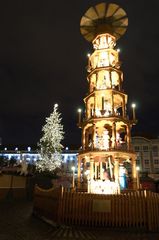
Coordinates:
[139,209]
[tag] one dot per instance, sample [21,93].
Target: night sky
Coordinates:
[43,58]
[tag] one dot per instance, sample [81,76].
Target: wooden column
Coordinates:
[119,82]
[128,136]
[91,168]
[96,79]
[123,107]
[87,108]
[110,77]
[106,165]
[83,138]
[112,103]
[101,171]
[94,105]
[84,169]
[95,170]
[116,174]
[134,173]
[79,172]
[110,167]
[116,170]
[114,135]
[94,133]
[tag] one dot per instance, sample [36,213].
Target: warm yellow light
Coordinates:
[104,55]
[118,50]
[103,187]
[88,54]
[133,105]
[56,105]
[79,110]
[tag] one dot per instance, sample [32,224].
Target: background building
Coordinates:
[31,156]
[147,154]
[147,151]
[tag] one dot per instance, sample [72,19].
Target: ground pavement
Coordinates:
[17,223]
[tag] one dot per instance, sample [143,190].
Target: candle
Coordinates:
[133,111]
[79,115]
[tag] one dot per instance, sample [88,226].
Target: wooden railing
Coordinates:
[46,202]
[138,209]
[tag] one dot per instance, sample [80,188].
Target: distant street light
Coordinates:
[29,149]
[138,177]
[73,177]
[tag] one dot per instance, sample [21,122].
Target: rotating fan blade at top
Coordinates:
[103,18]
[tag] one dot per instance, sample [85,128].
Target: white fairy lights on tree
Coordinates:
[50,143]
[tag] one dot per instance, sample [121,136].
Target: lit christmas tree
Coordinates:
[50,143]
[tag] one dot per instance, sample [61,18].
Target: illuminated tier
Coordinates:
[106,129]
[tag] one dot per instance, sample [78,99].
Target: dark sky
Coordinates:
[43,59]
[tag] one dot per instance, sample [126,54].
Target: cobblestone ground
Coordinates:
[17,222]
